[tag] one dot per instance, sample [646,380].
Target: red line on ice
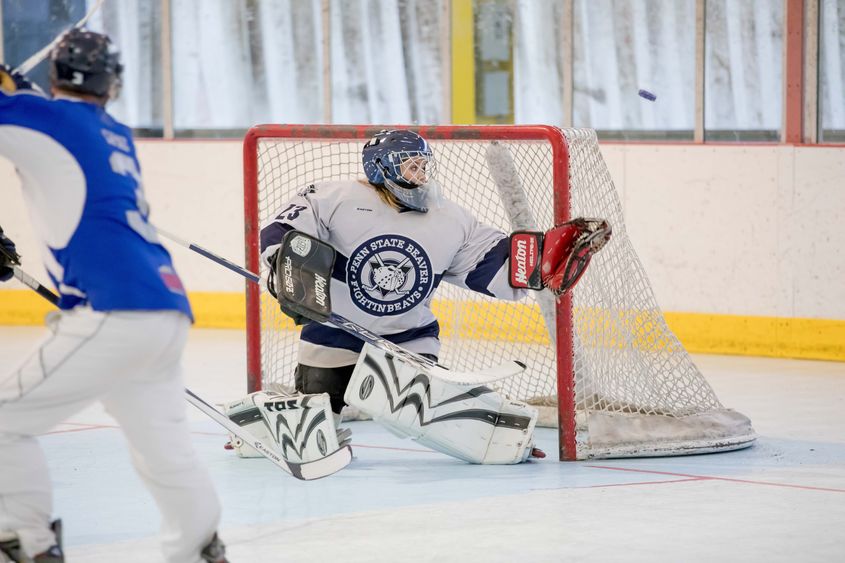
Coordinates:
[712,478]
[83,427]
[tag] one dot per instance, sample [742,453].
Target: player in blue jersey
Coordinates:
[124,315]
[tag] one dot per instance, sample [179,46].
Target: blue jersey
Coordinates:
[82,185]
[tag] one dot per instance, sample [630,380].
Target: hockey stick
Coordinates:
[308,471]
[322,467]
[488,375]
[35,285]
[15,260]
[36,58]
[211,256]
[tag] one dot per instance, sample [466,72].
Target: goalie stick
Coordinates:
[488,375]
[309,471]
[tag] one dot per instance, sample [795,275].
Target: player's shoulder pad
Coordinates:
[327,191]
[451,209]
[320,189]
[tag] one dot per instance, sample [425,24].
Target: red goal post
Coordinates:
[603,365]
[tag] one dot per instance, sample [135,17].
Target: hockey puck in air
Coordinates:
[647,95]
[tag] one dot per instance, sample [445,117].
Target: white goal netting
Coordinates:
[637,392]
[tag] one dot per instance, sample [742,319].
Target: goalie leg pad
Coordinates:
[300,427]
[311,379]
[246,414]
[471,423]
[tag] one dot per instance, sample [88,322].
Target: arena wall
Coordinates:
[744,244]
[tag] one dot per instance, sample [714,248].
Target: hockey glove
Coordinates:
[8,257]
[304,267]
[11,81]
[557,258]
[298,319]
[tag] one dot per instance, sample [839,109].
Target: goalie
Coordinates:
[397,239]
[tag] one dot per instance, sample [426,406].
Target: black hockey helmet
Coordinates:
[86,62]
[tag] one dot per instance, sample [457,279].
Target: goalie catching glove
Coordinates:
[557,258]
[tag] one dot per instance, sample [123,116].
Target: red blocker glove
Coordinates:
[557,258]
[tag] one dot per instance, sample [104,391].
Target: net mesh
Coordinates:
[626,360]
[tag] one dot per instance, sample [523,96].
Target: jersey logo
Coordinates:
[301,245]
[171,280]
[388,275]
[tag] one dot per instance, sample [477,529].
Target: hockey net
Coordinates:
[627,385]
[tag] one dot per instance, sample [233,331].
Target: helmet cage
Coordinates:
[410,169]
[410,176]
[403,163]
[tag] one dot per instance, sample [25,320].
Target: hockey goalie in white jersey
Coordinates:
[396,240]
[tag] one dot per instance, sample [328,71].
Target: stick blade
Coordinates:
[309,471]
[324,466]
[487,375]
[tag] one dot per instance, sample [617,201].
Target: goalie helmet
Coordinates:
[87,63]
[402,162]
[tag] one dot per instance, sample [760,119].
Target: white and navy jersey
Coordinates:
[389,264]
[82,184]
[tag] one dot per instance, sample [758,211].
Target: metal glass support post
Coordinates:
[700,33]
[326,22]
[2,58]
[567,49]
[811,71]
[793,60]
[446,61]
[166,70]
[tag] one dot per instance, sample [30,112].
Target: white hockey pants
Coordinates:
[130,361]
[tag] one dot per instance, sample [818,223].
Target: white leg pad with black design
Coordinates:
[300,427]
[469,422]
